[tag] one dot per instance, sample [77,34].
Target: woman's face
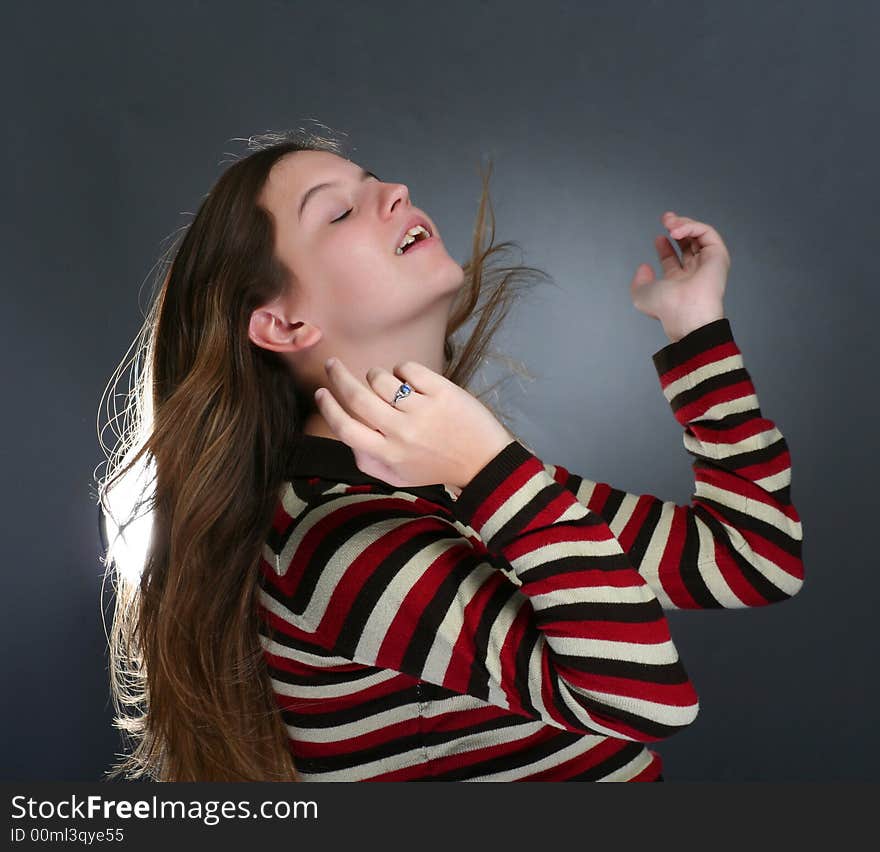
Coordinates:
[340,242]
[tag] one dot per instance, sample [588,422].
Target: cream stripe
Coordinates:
[481,740]
[773,516]
[570,547]
[665,714]
[581,746]
[306,523]
[583,716]
[700,374]
[629,770]
[722,450]
[333,690]
[497,634]
[304,657]
[391,599]
[524,495]
[655,653]
[593,594]
[776,480]
[709,570]
[410,757]
[282,611]
[723,409]
[357,728]
[440,653]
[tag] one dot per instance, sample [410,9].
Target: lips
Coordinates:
[415,220]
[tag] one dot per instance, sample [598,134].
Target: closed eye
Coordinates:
[342,216]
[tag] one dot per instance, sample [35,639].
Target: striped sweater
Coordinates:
[518,631]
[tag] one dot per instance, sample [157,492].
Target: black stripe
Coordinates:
[321,677]
[406,697]
[523,756]
[647,529]
[352,759]
[568,563]
[628,753]
[524,516]
[695,342]
[428,627]
[381,576]
[746,521]
[690,395]
[752,575]
[763,456]
[478,683]
[690,575]
[334,542]
[666,673]
[284,639]
[488,478]
[643,612]
[603,712]
[612,504]
[530,637]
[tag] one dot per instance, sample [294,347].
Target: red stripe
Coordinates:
[403,626]
[596,756]
[509,650]
[671,694]
[458,673]
[502,493]
[349,745]
[647,633]
[357,698]
[562,535]
[619,578]
[669,570]
[707,356]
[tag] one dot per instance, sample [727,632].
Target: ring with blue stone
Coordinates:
[402,391]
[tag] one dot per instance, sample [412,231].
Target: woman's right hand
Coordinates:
[439,433]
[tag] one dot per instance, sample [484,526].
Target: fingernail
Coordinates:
[329,363]
[319,393]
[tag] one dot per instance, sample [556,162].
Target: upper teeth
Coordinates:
[410,237]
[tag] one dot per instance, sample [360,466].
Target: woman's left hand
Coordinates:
[691,292]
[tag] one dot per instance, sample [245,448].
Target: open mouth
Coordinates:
[414,237]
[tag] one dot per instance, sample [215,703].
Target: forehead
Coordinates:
[296,172]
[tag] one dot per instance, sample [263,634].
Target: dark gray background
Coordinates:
[760,118]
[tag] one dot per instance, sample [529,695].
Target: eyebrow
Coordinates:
[364,175]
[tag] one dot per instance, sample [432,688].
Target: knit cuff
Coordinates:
[488,478]
[698,340]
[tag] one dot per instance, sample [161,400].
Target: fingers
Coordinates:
[690,233]
[386,385]
[423,379]
[357,435]
[666,253]
[361,401]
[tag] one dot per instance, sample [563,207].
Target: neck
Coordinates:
[419,344]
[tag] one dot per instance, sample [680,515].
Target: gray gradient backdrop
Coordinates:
[760,118]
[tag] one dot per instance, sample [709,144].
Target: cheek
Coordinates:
[363,274]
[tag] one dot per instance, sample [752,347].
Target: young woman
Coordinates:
[355,571]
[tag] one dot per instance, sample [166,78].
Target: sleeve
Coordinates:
[574,636]
[738,544]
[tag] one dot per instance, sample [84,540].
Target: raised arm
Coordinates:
[738,543]
[568,632]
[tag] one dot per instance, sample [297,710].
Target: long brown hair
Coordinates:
[189,491]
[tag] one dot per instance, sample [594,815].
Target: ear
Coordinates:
[270,328]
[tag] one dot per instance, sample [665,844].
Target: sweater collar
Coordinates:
[329,458]
[332,459]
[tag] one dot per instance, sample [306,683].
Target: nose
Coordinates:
[395,193]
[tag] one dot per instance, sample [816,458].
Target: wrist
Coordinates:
[483,455]
[684,326]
